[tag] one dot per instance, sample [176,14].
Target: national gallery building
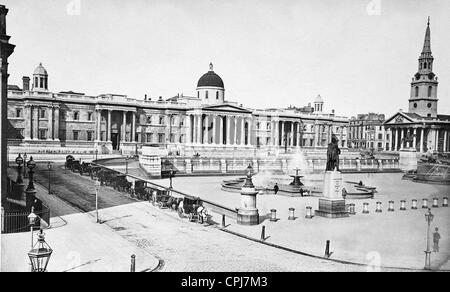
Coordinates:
[206,124]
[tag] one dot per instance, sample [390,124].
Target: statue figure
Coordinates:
[333,152]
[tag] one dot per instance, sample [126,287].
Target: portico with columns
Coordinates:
[421,128]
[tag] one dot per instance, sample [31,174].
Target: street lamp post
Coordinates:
[49,166]
[97,184]
[40,254]
[170,177]
[31,165]
[19,162]
[429,218]
[32,220]
[25,163]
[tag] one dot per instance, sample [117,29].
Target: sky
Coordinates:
[359,55]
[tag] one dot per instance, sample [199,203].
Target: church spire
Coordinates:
[427,42]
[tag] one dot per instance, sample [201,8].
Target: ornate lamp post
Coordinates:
[40,254]
[25,163]
[49,167]
[31,165]
[429,218]
[19,162]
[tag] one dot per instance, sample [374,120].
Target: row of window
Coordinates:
[430,91]
[207,94]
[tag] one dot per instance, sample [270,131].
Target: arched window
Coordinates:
[198,94]
[416,94]
[217,95]
[206,96]
[430,90]
[425,65]
[36,82]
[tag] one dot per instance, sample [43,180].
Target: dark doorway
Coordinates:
[115,140]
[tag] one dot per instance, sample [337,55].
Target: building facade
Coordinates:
[366,131]
[421,128]
[207,123]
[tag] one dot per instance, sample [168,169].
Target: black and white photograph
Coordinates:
[225,136]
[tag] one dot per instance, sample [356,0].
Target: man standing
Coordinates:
[276,188]
[436,237]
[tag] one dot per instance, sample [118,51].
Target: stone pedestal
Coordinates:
[408,159]
[332,205]
[248,213]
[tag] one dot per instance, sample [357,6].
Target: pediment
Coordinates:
[226,108]
[399,118]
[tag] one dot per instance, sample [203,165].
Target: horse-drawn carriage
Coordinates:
[162,198]
[192,207]
[69,160]
[140,190]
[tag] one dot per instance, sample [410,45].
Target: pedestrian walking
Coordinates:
[276,188]
[436,237]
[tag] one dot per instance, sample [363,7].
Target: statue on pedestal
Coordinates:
[333,153]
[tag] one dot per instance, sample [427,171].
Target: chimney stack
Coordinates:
[26,83]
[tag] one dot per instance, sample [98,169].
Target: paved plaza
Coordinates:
[394,239]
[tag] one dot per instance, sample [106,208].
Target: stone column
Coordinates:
[282,134]
[422,130]
[99,119]
[124,124]
[316,134]
[445,141]
[436,144]
[292,134]
[108,126]
[228,130]
[414,139]
[221,130]
[249,132]
[188,129]
[402,134]
[194,129]
[275,131]
[199,129]
[206,135]
[242,131]
[27,116]
[235,131]
[50,123]
[56,124]
[133,127]
[214,129]
[35,111]
[396,140]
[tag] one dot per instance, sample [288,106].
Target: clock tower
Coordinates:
[423,100]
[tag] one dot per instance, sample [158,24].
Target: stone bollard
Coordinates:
[445,203]
[378,209]
[403,205]
[391,206]
[365,208]
[327,249]
[414,204]
[351,209]
[291,214]
[308,212]
[223,221]
[133,263]
[435,203]
[273,215]
[263,233]
[424,203]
